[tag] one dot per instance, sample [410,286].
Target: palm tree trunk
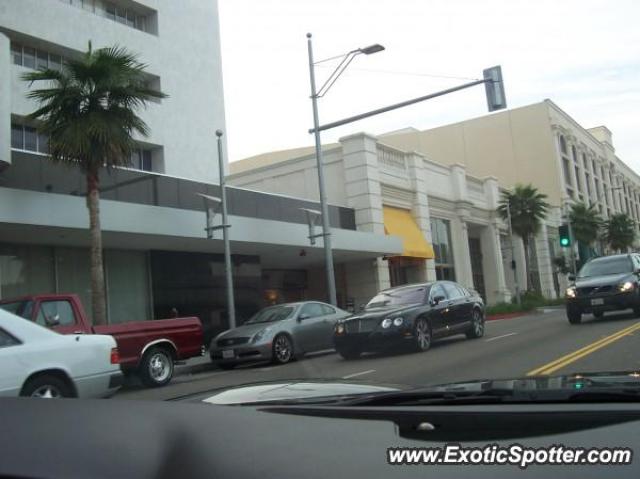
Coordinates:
[527,260]
[98,301]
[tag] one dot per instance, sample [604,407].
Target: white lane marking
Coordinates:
[266,369]
[501,336]
[362,373]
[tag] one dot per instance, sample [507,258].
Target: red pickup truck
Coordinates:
[148,348]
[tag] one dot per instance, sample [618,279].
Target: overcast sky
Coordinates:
[584,55]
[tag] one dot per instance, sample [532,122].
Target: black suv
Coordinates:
[610,283]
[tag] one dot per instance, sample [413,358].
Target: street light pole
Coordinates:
[324,208]
[225,235]
[513,255]
[315,94]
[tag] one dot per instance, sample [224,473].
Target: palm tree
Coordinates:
[528,208]
[585,225]
[88,111]
[619,232]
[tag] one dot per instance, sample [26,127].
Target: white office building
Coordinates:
[157,256]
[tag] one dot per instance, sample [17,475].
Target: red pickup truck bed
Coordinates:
[149,348]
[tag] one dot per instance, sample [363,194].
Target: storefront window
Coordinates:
[25,270]
[194,284]
[74,274]
[128,285]
[441,238]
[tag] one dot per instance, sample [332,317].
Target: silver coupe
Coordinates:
[278,333]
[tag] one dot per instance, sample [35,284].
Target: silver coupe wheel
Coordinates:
[282,349]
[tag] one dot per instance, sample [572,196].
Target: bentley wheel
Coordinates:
[477,325]
[422,334]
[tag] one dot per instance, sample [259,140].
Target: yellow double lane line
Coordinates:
[582,352]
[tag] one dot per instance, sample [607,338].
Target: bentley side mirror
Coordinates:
[571,277]
[303,316]
[436,299]
[361,307]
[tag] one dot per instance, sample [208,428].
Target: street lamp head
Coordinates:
[308,35]
[375,48]
[219,133]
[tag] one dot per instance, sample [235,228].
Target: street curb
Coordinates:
[196,368]
[500,316]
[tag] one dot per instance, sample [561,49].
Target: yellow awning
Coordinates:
[398,222]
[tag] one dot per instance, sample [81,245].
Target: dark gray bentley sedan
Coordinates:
[411,315]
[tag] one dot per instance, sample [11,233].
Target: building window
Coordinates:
[36,59]
[126,16]
[441,238]
[142,159]
[566,171]
[578,182]
[42,60]
[17,137]
[29,57]
[16,53]
[563,145]
[29,139]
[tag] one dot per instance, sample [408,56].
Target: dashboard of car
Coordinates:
[93,438]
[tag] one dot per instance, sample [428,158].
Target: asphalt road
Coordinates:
[543,343]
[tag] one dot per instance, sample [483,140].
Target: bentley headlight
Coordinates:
[398,321]
[626,286]
[571,292]
[386,322]
[340,328]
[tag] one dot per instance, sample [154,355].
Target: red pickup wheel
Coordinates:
[156,367]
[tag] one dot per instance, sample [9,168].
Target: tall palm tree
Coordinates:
[619,232]
[88,110]
[585,222]
[585,226]
[528,208]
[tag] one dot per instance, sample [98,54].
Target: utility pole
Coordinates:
[225,235]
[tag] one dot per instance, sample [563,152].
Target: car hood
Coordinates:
[383,311]
[292,390]
[330,389]
[604,280]
[246,330]
[568,381]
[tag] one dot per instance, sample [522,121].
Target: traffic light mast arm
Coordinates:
[494,90]
[385,109]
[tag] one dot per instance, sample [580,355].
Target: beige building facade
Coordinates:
[450,179]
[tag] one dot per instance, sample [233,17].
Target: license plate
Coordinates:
[228,354]
[597,302]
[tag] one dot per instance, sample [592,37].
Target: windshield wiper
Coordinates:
[495,395]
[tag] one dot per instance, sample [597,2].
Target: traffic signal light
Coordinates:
[565,237]
[494,88]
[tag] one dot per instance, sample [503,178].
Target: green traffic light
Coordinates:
[564,241]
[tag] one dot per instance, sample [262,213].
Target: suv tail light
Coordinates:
[115,356]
